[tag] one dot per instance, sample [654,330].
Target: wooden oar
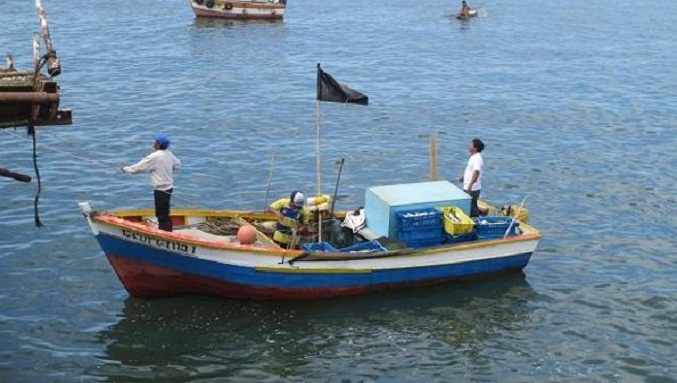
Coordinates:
[299,257]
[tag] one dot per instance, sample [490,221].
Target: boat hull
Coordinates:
[153,263]
[146,280]
[239,10]
[148,272]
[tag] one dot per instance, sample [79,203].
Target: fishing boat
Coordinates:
[196,260]
[405,235]
[240,10]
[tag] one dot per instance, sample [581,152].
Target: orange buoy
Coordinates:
[246,235]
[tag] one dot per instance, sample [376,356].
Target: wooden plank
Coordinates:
[62,117]
[17,176]
[28,97]
[53,63]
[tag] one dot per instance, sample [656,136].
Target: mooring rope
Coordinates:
[33,134]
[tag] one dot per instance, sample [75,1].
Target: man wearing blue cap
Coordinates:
[161,165]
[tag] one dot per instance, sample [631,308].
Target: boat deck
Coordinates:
[196,232]
[188,223]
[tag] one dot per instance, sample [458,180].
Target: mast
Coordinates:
[317,149]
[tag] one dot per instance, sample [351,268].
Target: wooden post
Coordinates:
[36,51]
[433,158]
[28,97]
[53,63]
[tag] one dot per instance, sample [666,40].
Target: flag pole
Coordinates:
[317,126]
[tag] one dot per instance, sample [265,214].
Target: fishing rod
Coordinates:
[104,163]
[512,222]
[270,180]
[100,162]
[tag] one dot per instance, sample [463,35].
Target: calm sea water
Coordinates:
[576,104]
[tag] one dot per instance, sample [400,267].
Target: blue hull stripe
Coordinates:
[250,276]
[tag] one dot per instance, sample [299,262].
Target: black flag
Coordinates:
[329,89]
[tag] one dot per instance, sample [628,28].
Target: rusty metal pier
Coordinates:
[31,99]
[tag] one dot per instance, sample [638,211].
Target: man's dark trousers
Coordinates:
[162,198]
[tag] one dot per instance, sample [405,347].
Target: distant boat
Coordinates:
[240,10]
[153,263]
[472,13]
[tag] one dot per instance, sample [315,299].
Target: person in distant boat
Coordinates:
[161,165]
[472,177]
[465,10]
[292,215]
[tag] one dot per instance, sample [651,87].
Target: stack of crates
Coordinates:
[382,203]
[420,227]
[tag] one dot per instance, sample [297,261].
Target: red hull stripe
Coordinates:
[237,16]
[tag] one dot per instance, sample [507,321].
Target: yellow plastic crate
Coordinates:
[505,211]
[511,211]
[455,221]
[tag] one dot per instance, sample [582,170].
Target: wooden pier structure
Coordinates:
[30,98]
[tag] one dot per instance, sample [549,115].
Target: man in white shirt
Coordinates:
[161,165]
[472,177]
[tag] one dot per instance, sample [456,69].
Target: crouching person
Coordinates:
[292,215]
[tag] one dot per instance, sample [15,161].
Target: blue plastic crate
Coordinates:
[319,246]
[494,227]
[425,243]
[467,237]
[417,218]
[421,234]
[366,247]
